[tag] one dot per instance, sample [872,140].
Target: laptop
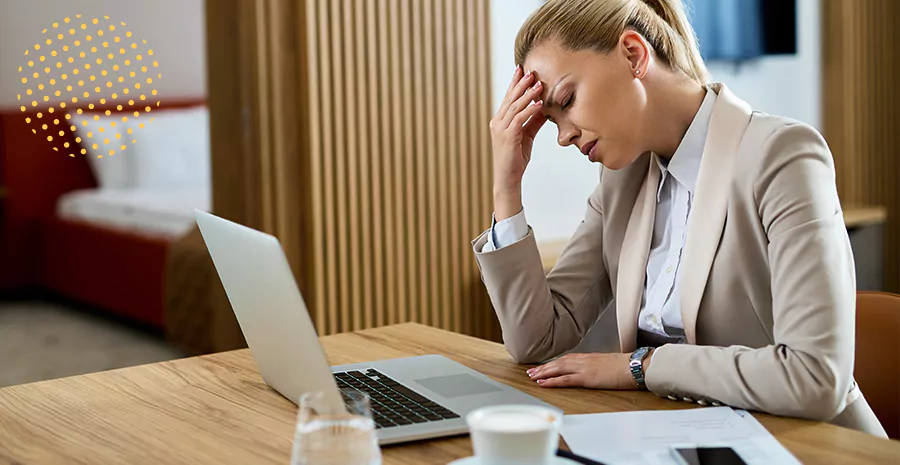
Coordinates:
[411,398]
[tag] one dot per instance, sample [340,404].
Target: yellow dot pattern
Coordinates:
[77,52]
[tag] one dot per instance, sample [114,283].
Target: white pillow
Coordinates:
[111,171]
[172,151]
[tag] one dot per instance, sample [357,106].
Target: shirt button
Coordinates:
[669,269]
[672,397]
[702,402]
[688,400]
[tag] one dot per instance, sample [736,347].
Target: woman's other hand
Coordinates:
[593,371]
[513,129]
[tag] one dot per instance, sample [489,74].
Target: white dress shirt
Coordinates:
[660,304]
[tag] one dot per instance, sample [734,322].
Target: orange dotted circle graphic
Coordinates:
[78,64]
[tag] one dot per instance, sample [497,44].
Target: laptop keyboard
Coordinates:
[393,404]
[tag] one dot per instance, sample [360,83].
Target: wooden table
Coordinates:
[215,409]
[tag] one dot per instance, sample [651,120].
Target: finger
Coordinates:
[532,372]
[534,124]
[515,93]
[556,368]
[530,111]
[531,94]
[562,381]
[517,76]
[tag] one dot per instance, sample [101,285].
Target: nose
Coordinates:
[567,135]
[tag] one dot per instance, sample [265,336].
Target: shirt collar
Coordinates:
[684,165]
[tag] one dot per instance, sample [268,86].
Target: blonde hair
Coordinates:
[598,24]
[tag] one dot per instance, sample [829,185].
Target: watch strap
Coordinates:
[636,364]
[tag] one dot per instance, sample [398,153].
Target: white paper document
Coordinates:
[646,437]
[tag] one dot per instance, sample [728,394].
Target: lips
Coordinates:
[586,148]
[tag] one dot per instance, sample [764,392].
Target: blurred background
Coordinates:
[356,131]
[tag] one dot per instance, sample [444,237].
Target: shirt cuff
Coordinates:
[506,232]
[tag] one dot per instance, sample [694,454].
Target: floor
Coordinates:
[41,340]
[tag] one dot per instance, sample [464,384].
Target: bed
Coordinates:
[165,214]
[65,228]
[109,247]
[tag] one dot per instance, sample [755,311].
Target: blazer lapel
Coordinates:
[729,121]
[633,259]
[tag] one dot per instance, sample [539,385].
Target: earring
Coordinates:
[637,72]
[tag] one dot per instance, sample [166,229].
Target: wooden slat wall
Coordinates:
[399,162]
[356,132]
[862,109]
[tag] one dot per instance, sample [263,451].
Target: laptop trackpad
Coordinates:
[457,385]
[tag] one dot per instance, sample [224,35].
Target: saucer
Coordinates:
[474,461]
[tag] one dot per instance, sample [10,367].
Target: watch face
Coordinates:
[637,355]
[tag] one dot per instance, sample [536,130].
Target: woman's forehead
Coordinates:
[549,61]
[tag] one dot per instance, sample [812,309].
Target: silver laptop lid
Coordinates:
[269,308]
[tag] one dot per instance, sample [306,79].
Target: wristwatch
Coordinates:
[636,363]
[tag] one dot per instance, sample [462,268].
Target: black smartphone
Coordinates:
[707,456]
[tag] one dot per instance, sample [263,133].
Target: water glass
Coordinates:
[344,438]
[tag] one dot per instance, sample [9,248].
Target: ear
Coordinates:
[637,51]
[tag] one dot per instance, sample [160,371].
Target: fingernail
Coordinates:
[537,85]
[518,67]
[540,381]
[528,74]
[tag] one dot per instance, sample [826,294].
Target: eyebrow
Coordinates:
[551,101]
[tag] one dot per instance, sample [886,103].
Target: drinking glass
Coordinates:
[344,438]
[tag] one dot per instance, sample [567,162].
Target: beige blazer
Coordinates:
[768,290]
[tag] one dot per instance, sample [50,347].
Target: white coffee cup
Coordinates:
[514,434]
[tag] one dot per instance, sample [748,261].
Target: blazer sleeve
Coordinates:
[543,316]
[807,371]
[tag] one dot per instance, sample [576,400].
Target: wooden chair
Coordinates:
[877,368]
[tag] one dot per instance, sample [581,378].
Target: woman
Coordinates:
[716,230]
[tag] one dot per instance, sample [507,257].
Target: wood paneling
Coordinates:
[410,145]
[862,110]
[356,132]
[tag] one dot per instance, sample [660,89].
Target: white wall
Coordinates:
[175,29]
[558,181]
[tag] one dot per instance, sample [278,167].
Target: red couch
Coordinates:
[116,271]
